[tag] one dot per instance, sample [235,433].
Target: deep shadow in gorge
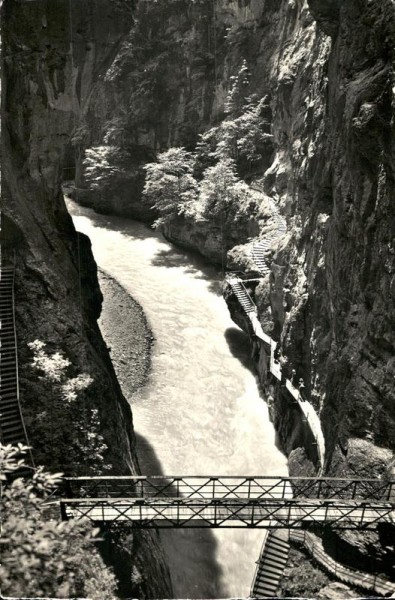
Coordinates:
[240,347]
[190,553]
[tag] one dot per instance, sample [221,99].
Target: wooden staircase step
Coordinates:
[11,433]
[7,399]
[11,424]
[10,410]
[276,551]
[267,565]
[268,583]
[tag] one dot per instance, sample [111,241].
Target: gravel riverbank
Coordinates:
[126,331]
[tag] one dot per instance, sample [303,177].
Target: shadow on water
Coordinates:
[193,263]
[190,553]
[240,347]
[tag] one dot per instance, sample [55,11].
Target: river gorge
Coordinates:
[201,412]
[218,119]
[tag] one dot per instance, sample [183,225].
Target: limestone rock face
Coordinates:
[334,179]
[46,82]
[326,68]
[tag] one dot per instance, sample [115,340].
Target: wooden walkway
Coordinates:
[270,346]
[359,579]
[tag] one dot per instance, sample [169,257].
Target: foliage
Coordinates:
[40,556]
[117,131]
[242,138]
[170,184]
[80,135]
[223,194]
[103,164]
[238,90]
[65,424]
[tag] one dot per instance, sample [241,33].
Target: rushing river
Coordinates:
[201,412]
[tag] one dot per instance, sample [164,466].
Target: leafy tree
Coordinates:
[40,556]
[66,424]
[238,91]
[223,194]
[243,138]
[251,137]
[104,164]
[170,184]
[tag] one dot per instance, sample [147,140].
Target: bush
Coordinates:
[64,423]
[105,164]
[40,556]
[223,194]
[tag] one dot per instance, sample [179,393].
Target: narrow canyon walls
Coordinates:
[53,53]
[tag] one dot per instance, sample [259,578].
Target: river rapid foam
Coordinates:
[200,412]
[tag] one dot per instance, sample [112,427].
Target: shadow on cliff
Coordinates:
[190,553]
[240,347]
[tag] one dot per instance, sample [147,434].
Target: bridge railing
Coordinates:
[185,512]
[222,487]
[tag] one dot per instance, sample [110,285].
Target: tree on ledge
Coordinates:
[223,194]
[170,184]
[42,557]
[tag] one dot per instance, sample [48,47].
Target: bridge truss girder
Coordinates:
[229,487]
[184,513]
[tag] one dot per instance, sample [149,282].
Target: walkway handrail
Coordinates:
[236,280]
[275,369]
[157,512]
[231,487]
[352,576]
[17,370]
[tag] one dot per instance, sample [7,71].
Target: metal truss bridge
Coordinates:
[199,501]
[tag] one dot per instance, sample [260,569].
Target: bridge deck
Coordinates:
[183,512]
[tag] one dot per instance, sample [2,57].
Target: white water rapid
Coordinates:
[200,412]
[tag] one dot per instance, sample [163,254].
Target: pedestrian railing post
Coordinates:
[354,492]
[63,512]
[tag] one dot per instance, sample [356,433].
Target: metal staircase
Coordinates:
[12,428]
[271,564]
[242,295]
[261,248]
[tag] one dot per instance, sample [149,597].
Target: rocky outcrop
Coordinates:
[51,59]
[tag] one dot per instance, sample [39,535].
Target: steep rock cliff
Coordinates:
[333,178]
[327,70]
[46,82]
